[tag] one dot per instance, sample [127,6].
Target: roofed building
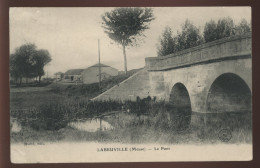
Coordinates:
[59,76]
[73,75]
[91,74]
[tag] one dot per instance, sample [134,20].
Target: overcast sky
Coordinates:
[71,34]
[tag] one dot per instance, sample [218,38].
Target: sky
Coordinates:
[71,34]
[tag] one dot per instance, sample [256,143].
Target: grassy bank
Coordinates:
[157,124]
[33,95]
[44,114]
[131,130]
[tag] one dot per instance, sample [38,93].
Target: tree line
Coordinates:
[28,62]
[125,26]
[191,36]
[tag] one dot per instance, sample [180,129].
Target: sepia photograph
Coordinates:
[130,84]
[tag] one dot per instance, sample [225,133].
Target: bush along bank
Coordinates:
[56,115]
[134,121]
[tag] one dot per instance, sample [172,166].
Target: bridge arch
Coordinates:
[181,105]
[228,93]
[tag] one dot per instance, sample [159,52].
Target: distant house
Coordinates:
[91,74]
[73,75]
[59,76]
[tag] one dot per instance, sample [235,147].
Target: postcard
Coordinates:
[130,84]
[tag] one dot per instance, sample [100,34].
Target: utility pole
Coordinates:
[99,66]
[56,80]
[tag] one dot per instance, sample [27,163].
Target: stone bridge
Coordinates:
[213,77]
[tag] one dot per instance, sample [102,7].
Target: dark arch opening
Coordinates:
[180,111]
[229,93]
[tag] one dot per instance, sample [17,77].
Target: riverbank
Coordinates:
[129,129]
[47,116]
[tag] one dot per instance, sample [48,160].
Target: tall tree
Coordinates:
[15,71]
[210,31]
[242,28]
[167,43]
[225,28]
[189,36]
[20,61]
[40,59]
[125,25]
[28,62]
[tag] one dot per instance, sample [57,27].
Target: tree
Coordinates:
[40,59]
[189,37]
[28,62]
[125,25]
[225,28]
[242,28]
[15,71]
[20,61]
[167,43]
[210,31]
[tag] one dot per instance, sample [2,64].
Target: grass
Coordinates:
[152,128]
[89,91]
[35,95]
[28,99]
[115,80]
[149,124]
[134,133]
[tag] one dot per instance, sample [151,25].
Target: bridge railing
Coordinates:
[228,48]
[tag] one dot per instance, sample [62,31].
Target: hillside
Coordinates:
[115,80]
[137,85]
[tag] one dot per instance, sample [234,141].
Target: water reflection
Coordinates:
[15,126]
[91,125]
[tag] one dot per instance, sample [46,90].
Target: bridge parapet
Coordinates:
[232,47]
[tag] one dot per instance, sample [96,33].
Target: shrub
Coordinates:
[52,116]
